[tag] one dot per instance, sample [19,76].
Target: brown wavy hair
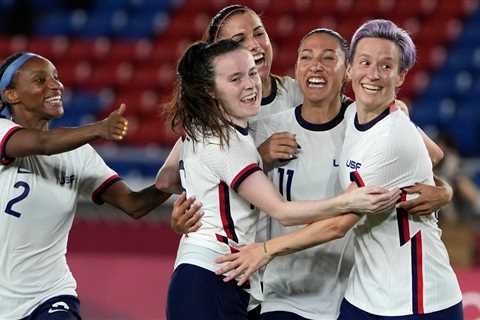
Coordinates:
[193,108]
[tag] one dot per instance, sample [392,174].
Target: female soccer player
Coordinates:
[309,284]
[219,90]
[401,268]
[242,24]
[43,172]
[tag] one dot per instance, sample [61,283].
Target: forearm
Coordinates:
[65,139]
[304,212]
[168,177]
[434,151]
[27,141]
[311,235]
[143,201]
[134,203]
[445,188]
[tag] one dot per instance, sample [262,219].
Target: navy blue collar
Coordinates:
[242,130]
[273,93]
[321,126]
[371,123]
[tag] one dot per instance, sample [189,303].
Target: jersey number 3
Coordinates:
[20,197]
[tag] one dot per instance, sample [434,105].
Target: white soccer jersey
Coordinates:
[212,174]
[38,199]
[401,265]
[284,96]
[310,283]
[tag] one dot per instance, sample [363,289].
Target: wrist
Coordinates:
[267,252]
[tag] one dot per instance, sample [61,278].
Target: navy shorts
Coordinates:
[281,315]
[198,293]
[57,308]
[349,312]
[254,314]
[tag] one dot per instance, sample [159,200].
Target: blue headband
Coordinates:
[12,69]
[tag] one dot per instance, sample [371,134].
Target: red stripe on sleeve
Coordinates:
[3,157]
[244,173]
[96,195]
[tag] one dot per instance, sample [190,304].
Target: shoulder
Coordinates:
[6,124]
[282,121]
[350,112]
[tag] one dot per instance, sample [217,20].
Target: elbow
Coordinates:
[135,214]
[286,222]
[339,230]
[437,156]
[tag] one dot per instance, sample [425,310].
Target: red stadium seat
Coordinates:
[130,50]
[53,48]
[108,75]
[438,31]
[458,9]
[91,49]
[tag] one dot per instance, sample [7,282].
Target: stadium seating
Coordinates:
[127,49]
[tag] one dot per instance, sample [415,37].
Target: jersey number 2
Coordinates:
[20,197]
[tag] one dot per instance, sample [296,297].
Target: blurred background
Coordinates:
[113,51]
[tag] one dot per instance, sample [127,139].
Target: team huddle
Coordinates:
[309,205]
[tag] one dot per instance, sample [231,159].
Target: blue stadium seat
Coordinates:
[139,25]
[98,24]
[147,6]
[52,24]
[464,128]
[110,5]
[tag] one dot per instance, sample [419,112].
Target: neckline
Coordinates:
[269,99]
[371,123]
[321,126]
[242,130]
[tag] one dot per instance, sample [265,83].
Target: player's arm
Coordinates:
[250,258]
[134,203]
[280,146]
[186,215]
[27,141]
[434,151]
[259,191]
[430,199]
[168,178]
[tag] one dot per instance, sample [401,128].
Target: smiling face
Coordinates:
[247,29]
[375,73]
[37,90]
[320,68]
[238,88]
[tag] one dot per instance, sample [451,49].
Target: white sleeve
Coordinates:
[7,129]
[397,159]
[96,175]
[233,163]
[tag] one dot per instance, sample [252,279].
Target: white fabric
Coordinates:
[310,283]
[391,153]
[33,245]
[210,173]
